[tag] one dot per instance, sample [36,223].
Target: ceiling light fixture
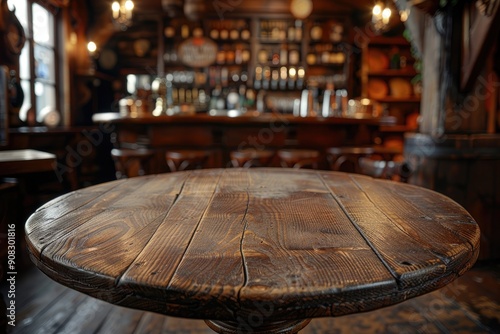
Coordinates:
[122,13]
[381,15]
[301,8]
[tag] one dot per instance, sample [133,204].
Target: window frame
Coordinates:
[31,117]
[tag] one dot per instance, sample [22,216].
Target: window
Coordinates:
[37,65]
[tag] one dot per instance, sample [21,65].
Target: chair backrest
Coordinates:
[130,162]
[180,160]
[393,170]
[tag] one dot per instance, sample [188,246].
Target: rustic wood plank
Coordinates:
[15,162]
[199,272]
[241,244]
[477,292]
[121,320]
[40,225]
[126,223]
[150,323]
[420,217]
[157,265]
[56,315]
[37,304]
[293,222]
[404,256]
[185,326]
[87,317]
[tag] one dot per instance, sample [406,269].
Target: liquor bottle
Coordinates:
[283,78]
[258,78]
[266,77]
[275,76]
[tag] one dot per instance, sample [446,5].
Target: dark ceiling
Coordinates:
[241,7]
[147,11]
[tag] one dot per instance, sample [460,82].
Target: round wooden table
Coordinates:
[253,250]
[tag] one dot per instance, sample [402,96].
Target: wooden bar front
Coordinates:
[222,134]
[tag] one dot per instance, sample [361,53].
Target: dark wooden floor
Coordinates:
[471,304]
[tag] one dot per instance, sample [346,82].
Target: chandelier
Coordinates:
[381,15]
[122,13]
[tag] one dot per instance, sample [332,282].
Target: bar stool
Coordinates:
[392,170]
[346,158]
[251,158]
[298,158]
[388,153]
[131,162]
[186,159]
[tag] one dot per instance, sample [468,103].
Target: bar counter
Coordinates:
[222,133]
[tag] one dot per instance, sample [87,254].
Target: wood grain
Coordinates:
[247,244]
[15,162]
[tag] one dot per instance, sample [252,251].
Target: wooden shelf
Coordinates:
[389,41]
[389,99]
[397,129]
[407,72]
[278,41]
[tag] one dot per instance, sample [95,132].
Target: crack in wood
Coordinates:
[119,277]
[216,188]
[360,231]
[243,261]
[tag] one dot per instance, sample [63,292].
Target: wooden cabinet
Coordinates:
[387,74]
[248,54]
[279,57]
[328,59]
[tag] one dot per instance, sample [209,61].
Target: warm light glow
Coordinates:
[403,15]
[386,15]
[381,14]
[129,5]
[122,13]
[116,9]
[301,72]
[365,102]
[301,9]
[92,47]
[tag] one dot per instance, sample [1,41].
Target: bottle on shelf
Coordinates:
[185,31]
[301,73]
[292,77]
[266,77]
[328,106]
[283,78]
[298,30]
[258,78]
[275,76]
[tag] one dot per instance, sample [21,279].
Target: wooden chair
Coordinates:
[251,158]
[298,158]
[131,162]
[179,160]
[345,159]
[393,170]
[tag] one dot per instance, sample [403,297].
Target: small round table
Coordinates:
[253,250]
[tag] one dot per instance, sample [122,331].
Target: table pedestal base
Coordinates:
[280,327]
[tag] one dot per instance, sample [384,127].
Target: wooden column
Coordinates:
[457,151]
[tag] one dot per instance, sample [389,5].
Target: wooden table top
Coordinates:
[14,162]
[217,244]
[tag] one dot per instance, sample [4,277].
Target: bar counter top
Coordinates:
[246,118]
